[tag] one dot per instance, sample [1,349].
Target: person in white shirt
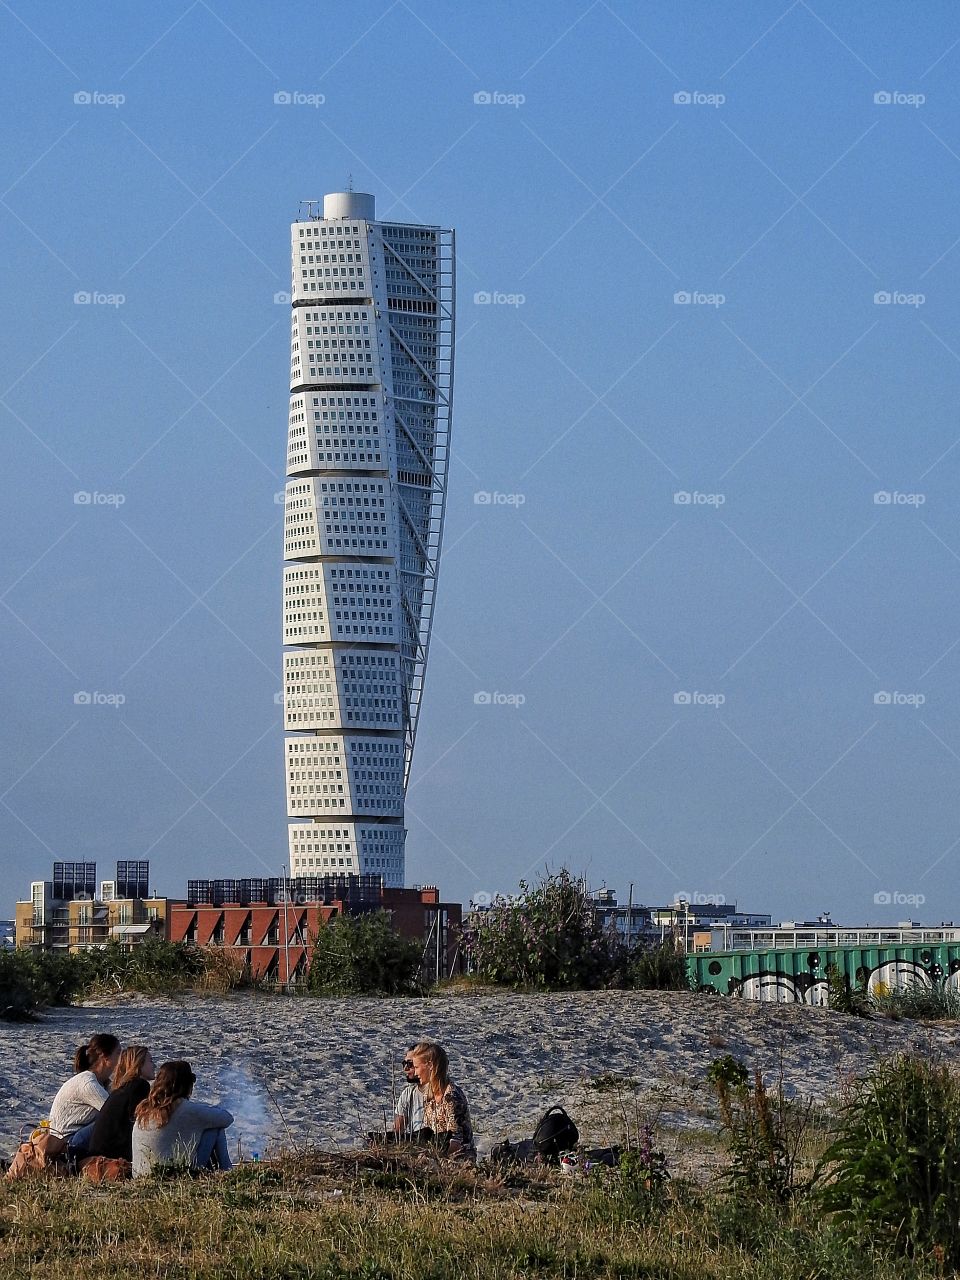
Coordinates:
[78,1101]
[408,1114]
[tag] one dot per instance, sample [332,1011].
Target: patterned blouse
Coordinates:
[451,1114]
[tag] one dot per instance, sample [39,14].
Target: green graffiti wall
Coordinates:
[800,977]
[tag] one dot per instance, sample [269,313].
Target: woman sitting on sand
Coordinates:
[170,1128]
[445,1111]
[78,1102]
[112,1134]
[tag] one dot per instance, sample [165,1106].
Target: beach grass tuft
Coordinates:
[378,1215]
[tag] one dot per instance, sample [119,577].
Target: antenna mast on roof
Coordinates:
[312,207]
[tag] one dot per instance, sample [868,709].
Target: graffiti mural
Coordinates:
[800,977]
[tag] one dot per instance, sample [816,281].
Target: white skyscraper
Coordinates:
[371,387]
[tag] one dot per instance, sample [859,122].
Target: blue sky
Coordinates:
[714,398]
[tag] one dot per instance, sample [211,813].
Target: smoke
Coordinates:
[254,1118]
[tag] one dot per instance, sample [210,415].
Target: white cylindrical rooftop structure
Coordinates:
[349,204]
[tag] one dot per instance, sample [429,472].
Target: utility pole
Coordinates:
[286,928]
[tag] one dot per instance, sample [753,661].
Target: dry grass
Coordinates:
[394,1215]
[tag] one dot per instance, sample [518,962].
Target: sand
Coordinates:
[303,1071]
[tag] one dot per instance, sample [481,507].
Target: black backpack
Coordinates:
[555,1132]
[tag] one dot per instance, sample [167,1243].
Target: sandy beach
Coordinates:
[321,1072]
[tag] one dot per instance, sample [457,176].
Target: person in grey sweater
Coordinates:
[170,1128]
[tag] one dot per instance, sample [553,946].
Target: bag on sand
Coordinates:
[106,1169]
[555,1132]
[43,1152]
[507,1152]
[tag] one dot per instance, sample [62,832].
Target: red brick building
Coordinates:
[273,939]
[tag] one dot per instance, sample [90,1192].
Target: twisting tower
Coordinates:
[371,390]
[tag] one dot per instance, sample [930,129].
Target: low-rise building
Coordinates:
[631,920]
[693,923]
[269,925]
[67,913]
[820,934]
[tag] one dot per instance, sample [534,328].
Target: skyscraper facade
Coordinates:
[371,389]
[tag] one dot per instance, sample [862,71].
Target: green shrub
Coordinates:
[30,980]
[893,1171]
[843,996]
[364,955]
[547,938]
[153,966]
[660,967]
[929,1004]
[765,1132]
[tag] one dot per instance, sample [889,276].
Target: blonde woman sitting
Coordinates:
[446,1114]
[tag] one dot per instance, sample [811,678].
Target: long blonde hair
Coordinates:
[130,1065]
[438,1066]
